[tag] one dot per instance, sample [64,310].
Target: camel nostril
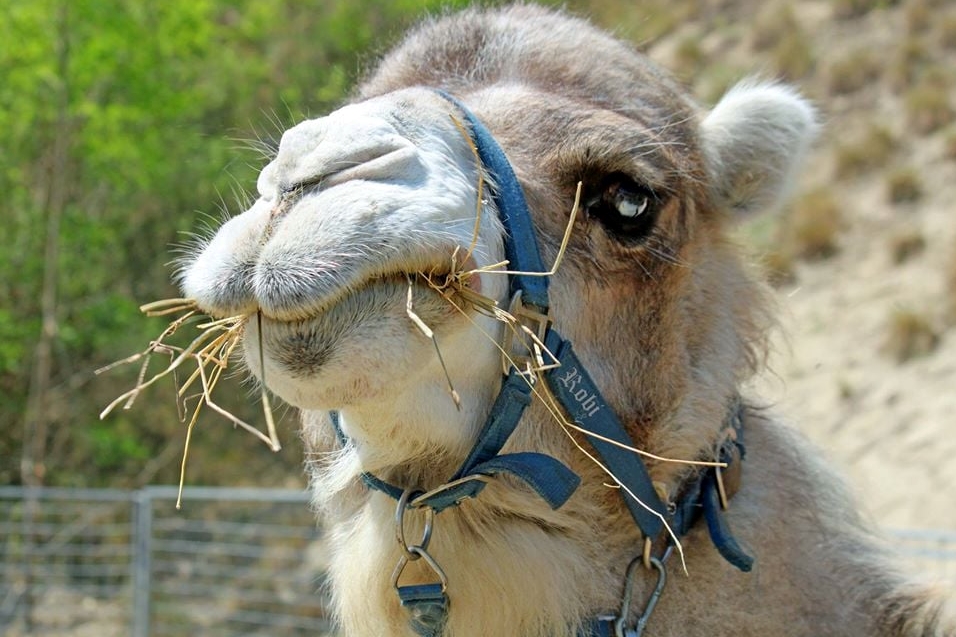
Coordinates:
[279,211]
[345,145]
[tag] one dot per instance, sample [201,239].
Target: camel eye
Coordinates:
[626,209]
[630,204]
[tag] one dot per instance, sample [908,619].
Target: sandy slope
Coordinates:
[891,426]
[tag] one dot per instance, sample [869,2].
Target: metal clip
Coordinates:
[413,552]
[527,354]
[620,630]
[407,549]
[427,604]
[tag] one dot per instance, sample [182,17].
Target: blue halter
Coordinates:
[579,396]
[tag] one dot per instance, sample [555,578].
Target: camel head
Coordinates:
[361,268]
[361,211]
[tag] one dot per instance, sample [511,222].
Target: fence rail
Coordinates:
[90,562]
[111,563]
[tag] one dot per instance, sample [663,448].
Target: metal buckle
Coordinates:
[417,552]
[419,498]
[526,354]
[400,509]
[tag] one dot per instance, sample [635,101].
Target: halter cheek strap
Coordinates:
[569,382]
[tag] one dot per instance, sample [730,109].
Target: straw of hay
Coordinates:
[209,352]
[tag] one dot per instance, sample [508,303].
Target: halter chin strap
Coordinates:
[579,396]
[548,477]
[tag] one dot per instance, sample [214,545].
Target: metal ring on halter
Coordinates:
[522,346]
[412,552]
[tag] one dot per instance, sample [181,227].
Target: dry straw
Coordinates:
[454,287]
[208,354]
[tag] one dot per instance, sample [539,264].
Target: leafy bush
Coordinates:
[813,224]
[904,185]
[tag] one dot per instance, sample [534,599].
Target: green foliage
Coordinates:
[118,120]
[813,225]
[846,9]
[643,22]
[928,105]
[853,71]
[909,335]
[906,245]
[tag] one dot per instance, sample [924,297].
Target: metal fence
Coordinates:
[103,563]
[110,563]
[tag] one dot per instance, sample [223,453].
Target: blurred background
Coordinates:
[129,126]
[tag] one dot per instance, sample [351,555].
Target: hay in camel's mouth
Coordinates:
[204,360]
[291,299]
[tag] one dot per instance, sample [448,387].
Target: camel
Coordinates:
[378,225]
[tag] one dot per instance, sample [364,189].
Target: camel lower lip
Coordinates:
[353,326]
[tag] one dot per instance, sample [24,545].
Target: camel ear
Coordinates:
[754,142]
